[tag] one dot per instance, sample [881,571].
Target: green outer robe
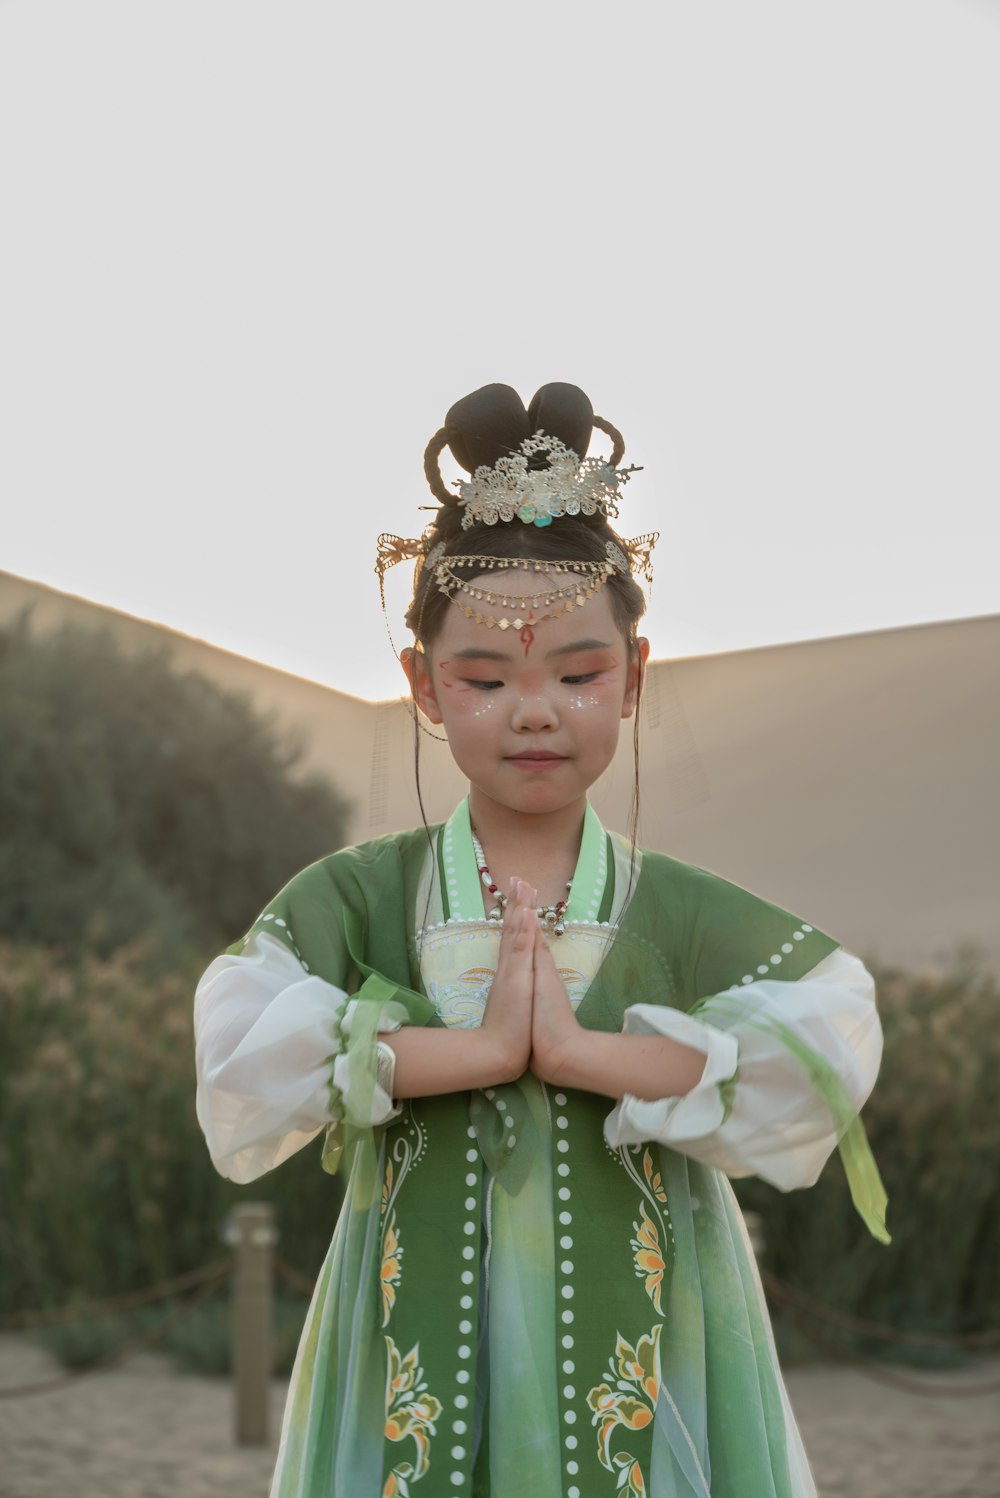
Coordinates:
[673,1388]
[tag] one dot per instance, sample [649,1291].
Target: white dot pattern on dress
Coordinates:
[464,1350]
[566,1266]
[775,959]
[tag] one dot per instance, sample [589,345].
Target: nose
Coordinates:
[535,713]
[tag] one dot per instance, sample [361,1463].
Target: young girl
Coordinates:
[540,1052]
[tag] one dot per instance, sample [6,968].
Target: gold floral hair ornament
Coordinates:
[568,485]
[390,551]
[639,551]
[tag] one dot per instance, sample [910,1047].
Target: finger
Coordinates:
[522,894]
[516,940]
[544,962]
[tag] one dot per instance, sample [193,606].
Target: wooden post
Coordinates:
[251,1232]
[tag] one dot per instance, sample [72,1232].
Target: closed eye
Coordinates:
[484,686]
[580,681]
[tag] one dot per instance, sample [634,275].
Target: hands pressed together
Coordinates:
[529,1023]
[529,1017]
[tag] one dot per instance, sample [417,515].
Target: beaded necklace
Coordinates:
[552,917]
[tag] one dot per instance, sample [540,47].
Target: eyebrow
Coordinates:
[479,653]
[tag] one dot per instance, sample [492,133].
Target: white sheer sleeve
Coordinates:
[756,1110]
[269,1056]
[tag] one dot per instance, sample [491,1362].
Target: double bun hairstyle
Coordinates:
[480,429]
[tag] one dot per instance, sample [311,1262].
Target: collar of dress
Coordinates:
[462,888]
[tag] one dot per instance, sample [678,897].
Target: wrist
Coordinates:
[503,1060]
[564,1063]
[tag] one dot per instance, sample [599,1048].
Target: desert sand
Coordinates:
[147,1431]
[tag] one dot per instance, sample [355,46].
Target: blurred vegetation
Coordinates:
[106,1182]
[146,815]
[934,1129]
[201,1342]
[139,801]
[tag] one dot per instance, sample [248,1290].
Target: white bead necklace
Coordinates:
[552,917]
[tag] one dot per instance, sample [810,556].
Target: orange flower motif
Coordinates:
[392,1269]
[649,1262]
[635,1369]
[653,1177]
[410,1413]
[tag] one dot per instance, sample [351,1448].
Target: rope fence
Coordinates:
[803,1308]
[133,1300]
[252,1267]
[208,1287]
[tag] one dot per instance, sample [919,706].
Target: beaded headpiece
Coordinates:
[538,479]
[570,485]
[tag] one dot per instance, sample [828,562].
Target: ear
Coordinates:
[637,665]
[417,669]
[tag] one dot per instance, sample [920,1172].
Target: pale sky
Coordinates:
[250,253]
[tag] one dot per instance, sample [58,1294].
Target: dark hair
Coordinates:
[489,424]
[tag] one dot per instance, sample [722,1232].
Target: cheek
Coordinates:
[466,702]
[601,696]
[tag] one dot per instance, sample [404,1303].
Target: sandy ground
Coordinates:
[147,1431]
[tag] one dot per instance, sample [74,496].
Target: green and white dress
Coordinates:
[530,1291]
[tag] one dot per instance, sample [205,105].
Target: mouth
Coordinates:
[536,759]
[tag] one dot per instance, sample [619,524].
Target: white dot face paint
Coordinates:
[581,703]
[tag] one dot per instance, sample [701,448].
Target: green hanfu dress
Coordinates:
[531,1290]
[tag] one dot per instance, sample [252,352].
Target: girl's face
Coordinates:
[531,726]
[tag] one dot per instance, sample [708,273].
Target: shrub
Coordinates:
[935,1133]
[104,1174]
[138,801]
